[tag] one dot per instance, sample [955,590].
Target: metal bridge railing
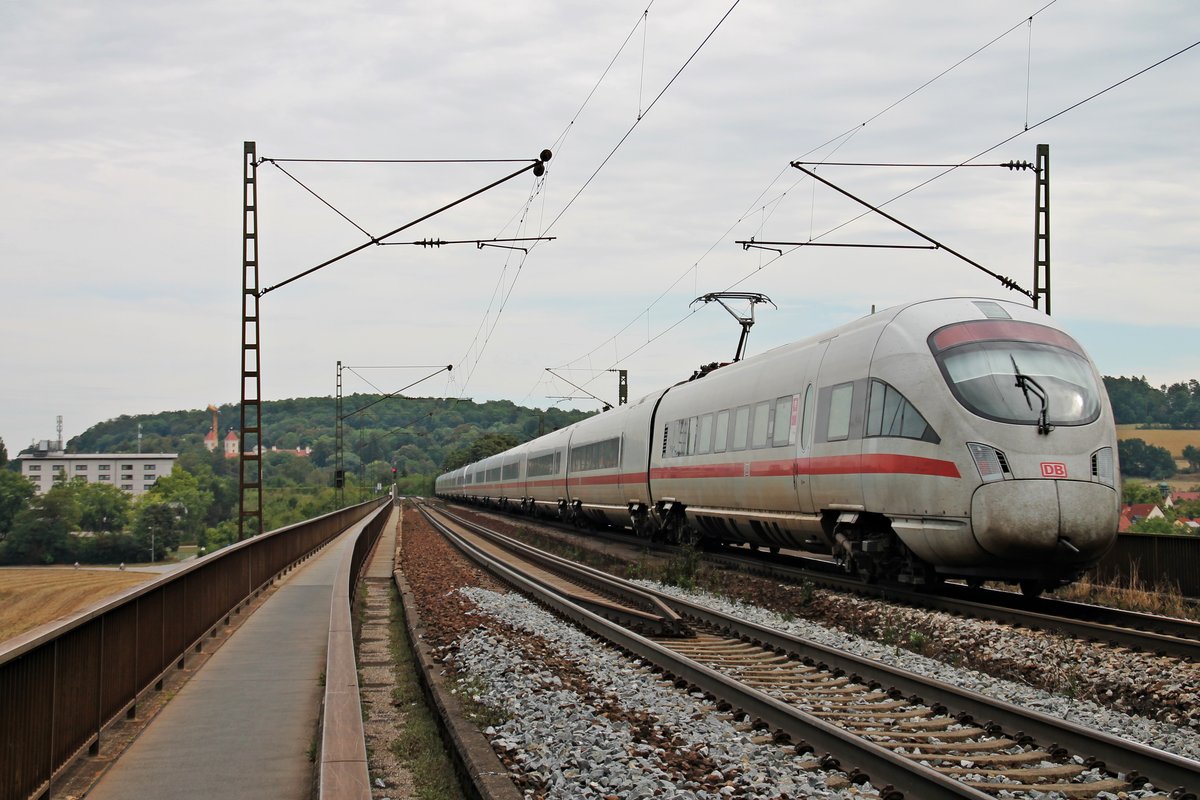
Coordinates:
[62,684]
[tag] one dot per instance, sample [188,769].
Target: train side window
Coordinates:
[840,401]
[889,413]
[741,428]
[785,423]
[806,418]
[721,432]
[693,445]
[761,428]
[706,434]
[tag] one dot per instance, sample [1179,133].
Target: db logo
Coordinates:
[1054,469]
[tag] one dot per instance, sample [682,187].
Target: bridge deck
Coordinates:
[243,726]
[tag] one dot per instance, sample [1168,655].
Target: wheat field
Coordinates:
[1173,441]
[33,596]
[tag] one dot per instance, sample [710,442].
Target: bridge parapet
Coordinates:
[62,684]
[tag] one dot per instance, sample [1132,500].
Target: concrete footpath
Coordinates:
[243,726]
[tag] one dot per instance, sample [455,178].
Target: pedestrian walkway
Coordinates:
[244,726]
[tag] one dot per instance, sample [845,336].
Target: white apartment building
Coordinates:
[133,472]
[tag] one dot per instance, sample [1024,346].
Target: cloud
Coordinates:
[120,220]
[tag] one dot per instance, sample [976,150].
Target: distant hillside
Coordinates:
[413,434]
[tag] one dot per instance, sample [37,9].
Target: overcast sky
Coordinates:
[121,131]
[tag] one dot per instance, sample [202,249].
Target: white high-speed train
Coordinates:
[954,437]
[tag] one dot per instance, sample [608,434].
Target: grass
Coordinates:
[1134,595]
[33,596]
[419,746]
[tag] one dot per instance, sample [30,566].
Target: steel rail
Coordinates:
[1120,755]
[1136,630]
[661,620]
[877,763]
[598,580]
[1131,760]
[1173,637]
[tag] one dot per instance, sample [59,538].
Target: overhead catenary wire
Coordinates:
[843,137]
[918,186]
[641,116]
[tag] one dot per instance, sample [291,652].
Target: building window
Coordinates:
[37,467]
[148,487]
[106,477]
[127,487]
[149,468]
[104,467]
[81,467]
[127,477]
[127,466]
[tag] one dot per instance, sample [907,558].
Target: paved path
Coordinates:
[243,726]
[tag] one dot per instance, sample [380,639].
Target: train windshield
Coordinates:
[1011,371]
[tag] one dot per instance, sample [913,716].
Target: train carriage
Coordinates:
[606,465]
[546,474]
[952,437]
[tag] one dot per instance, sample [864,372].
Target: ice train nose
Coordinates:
[1073,520]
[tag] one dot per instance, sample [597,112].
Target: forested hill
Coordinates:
[413,434]
[1135,401]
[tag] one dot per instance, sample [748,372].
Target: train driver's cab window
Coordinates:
[889,413]
[840,399]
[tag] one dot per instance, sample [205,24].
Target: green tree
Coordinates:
[15,492]
[1139,492]
[3,453]
[1191,454]
[1156,525]
[41,532]
[1142,460]
[182,492]
[102,508]
[158,527]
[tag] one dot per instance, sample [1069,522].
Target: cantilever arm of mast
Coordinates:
[607,405]
[479,243]
[446,368]
[537,166]
[1007,282]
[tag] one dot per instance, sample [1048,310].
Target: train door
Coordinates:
[833,466]
[805,409]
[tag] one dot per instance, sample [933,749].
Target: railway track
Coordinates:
[925,737]
[1178,638]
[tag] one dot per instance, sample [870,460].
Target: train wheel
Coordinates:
[1032,588]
